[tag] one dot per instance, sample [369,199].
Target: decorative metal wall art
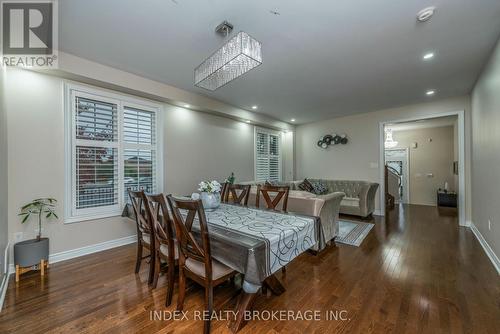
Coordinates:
[332,139]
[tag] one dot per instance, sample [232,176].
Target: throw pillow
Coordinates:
[306,186]
[319,188]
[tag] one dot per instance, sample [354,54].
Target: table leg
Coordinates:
[245,304]
[247,299]
[274,284]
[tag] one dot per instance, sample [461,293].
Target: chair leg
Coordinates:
[208,307]
[182,289]
[152,264]
[156,271]
[139,257]
[170,283]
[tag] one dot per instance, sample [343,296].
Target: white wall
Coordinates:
[429,157]
[197,146]
[486,152]
[200,146]
[3,180]
[359,159]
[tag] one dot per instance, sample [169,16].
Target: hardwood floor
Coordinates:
[416,272]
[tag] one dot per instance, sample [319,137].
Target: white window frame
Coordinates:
[280,142]
[71,90]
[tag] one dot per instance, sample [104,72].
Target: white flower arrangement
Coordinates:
[210,187]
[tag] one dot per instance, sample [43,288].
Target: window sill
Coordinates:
[79,219]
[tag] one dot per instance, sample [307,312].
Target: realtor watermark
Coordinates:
[257,315]
[29,33]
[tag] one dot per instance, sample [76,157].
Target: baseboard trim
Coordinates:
[487,249]
[86,250]
[378,212]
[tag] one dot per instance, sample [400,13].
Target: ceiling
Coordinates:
[321,59]
[424,124]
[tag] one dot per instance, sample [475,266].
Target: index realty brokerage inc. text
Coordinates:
[265,315]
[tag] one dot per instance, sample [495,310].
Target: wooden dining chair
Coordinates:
[145,232]
[195,260]
[166,250]
[223,191]
[281,195]
[232,195]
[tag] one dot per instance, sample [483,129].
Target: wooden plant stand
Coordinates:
[42,267]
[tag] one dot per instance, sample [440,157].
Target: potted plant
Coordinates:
[31,252]
[210,194]
[231,178]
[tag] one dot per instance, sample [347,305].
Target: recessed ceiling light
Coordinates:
[254,107]
[292,120]
[428,56]
[247,121]
[187,106]
[430,92]
[425,14]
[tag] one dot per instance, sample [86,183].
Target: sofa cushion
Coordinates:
[276,184]
[306,186]
[350,201]
[301,194]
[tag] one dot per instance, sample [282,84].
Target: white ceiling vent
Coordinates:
[425,14]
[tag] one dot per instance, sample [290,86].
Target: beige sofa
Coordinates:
[326,207]
[359,197]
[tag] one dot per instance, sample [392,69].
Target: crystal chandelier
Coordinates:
[389,142]
[239,55]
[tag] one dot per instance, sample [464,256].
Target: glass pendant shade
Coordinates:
[239,55]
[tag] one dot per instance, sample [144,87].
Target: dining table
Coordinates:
[257,243]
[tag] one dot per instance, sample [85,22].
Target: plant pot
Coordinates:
[30,252]
[211,201]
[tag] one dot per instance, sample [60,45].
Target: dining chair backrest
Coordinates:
[159,215]
[223,191]
[138,201]
[189,248]
[241,198]
[280,195]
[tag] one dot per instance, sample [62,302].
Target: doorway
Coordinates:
[393,156]
[397,160]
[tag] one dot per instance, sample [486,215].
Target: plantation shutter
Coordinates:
[139,133]
[267,156]
[96,153]
[112,146]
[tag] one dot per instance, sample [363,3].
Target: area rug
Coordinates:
[353,233]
